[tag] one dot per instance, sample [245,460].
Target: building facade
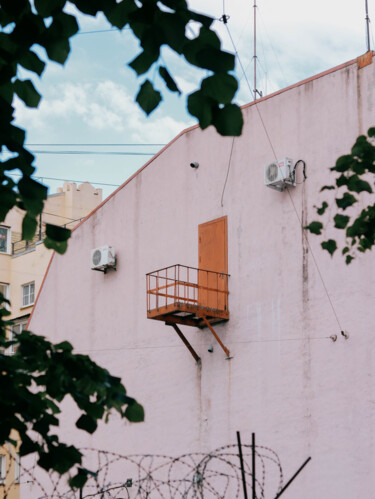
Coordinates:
[22,268]
[278,371]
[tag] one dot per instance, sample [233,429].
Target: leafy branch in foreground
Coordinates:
[25,24]
[33,383]
[355,173]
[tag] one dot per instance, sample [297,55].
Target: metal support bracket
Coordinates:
[216,336]
[185,341]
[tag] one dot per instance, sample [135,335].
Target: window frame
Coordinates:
[29,303]
[7,292]
[3,468]
[21,325]
[8,240]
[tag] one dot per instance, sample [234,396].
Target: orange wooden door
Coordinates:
[213,255]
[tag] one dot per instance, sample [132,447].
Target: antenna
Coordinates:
[367,28]
[256,91]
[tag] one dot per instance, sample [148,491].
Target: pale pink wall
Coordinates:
[301,393]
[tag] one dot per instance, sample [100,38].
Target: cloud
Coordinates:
[102,106]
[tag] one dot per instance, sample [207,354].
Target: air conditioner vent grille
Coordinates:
[272,172]
[96,257]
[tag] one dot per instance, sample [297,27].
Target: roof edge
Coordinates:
[186,130]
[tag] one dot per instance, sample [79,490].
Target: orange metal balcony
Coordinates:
[187,295]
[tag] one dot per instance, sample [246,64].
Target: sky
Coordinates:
[90,100]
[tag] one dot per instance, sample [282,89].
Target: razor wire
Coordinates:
[215,475]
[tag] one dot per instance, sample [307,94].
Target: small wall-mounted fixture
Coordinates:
[333,337]
[210,349]
[103,258]
[194,164]
[345,334]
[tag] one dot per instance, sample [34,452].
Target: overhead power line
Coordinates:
[108,153]
[42,177]
[94,145]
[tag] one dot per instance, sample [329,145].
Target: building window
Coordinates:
[4,290]
[15,330]
[28,293]
[2,468]
[4,240]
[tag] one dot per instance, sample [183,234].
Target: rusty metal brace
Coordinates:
[227,353]
[185,341]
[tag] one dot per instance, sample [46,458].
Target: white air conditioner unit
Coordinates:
[279,174]
[103,258]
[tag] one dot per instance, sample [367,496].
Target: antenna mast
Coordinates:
[367,28]
[256,91]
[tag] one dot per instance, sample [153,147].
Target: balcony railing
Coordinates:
[184,291]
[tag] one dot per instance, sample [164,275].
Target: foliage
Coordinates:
[25,24]
[40,375]
[355,172]
[33,383]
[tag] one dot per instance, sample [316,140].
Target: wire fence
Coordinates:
[218,474]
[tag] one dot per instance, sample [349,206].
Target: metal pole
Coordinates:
[293,477]
[242,467]
[255,50]
[368,28]
[253,457]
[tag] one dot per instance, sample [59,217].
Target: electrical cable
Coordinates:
[41,177]
[156,347]
[95,145]
[60,216]
[304,234]
[294,207]
[101,31]
[226,178]
[103,153]
[271,45]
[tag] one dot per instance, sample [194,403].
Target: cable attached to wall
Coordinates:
[294,172]
[226,178]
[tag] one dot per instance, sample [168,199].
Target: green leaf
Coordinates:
[357,185]
[33,194]
[346,201]
[135,413]
[60,247]
[220,87]
[58,50]
[8,200]
[330,246]
[168,80]
[228,120]
[371,132]
[142,63]
[348,259]
[148,98]
[57,233]
[65,346]
[344,163]
[26,92]
[29,60]
[345,250]
[323,208]
[342,180]
[314,227]
[46,8]
[79,480]
[327,188]
[341,221]
[201,107]
[118,14]
[29,225]
[86,423]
